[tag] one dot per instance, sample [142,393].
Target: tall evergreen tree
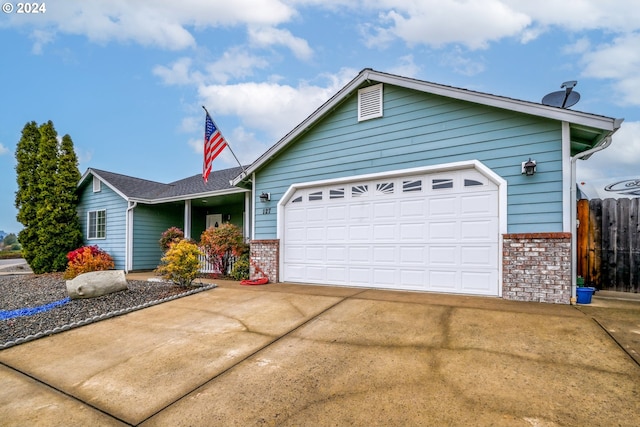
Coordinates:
[53,228]
[26,200]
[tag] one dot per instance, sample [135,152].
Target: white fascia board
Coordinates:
[562,114]
[228,191]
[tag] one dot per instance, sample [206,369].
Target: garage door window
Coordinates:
[441,184]
[359,190]
[384,188]
[412,185]
[315,196]
[336,193]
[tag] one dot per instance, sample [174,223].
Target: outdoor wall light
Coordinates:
[529,167]
[265,197]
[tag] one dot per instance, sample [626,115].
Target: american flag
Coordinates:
[214,143]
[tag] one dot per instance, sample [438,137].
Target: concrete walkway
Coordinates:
[293,355]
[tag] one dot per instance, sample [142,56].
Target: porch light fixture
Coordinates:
[529,167]
[265,197]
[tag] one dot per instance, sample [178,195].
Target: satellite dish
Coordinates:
[563,99]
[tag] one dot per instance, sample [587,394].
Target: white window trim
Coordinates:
[371,99]
[95,232]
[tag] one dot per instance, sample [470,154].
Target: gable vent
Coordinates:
[370,102]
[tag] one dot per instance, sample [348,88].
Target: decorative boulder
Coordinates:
[96,283]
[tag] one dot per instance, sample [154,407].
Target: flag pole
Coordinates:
[228,145]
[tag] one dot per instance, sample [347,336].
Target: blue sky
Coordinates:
[126,80]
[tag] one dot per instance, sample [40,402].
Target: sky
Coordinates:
[126,79]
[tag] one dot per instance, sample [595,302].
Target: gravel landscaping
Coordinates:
[19,292]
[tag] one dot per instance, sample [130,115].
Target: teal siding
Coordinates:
[116,208]
[421,129]
[149,221]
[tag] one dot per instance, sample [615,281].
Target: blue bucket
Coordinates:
[584,295]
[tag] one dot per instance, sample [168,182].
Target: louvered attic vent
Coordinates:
[370,102]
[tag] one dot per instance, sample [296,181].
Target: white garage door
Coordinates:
[432,232]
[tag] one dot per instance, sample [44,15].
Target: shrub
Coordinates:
[86,259]
[171,235]
[240,269]
[181,263]
[221,244]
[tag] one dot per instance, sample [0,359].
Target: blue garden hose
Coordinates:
[29,311]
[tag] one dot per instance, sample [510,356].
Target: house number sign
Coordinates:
[266,211]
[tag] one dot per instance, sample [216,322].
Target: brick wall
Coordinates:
[537,267]
[264,258]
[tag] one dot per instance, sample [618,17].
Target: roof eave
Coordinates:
[184,197]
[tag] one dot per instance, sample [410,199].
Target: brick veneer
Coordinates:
[264,258]
[537,267]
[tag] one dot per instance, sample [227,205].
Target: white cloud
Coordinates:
[618,61]
[621,158]
[268,36]
[437,23]
[235,63]
[406,67]
[178,73]
[3,149]
[161,23]
[269,106]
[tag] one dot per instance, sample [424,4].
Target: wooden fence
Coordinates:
[608,244]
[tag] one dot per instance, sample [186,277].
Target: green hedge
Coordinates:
[10,254]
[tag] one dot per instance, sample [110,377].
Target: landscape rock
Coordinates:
[96,283]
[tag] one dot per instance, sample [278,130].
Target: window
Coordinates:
[370,102]
[384,188]
[359,190]
[412,185]
[336,193]
[96,185]
[297,199]
[471,183]
[315,196]
[439,184]
[97,224]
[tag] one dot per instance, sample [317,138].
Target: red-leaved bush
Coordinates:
[86,259]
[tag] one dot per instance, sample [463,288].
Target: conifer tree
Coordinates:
[26,200]
[49,177]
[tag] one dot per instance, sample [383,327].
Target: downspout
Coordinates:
[253,208]
[574,204]
[128,244]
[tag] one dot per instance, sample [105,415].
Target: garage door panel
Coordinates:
[336,213]
[412,208]
[359,254]
[359,276]
[336,233]
[477,282]
[425,232]
[478,204]
[383,232]
[413,231]
[413,255]
[384,254]
[443,255]
[443,231]
[316,214]
[484,230]
[443,206]
[479,256]
[359,232]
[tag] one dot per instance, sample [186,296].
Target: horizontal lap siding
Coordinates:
[116,207]
[149,222]
[420,130]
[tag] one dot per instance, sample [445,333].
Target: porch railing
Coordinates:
[209,267]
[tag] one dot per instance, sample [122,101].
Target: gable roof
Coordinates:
[146,191]
[589,130]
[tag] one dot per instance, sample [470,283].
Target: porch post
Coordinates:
[187,219]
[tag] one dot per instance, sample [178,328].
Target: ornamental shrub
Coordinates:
[86,259]
[240,269]
[181,263]
[171,235]
[221,244]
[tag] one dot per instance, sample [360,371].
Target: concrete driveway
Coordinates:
[309,355]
